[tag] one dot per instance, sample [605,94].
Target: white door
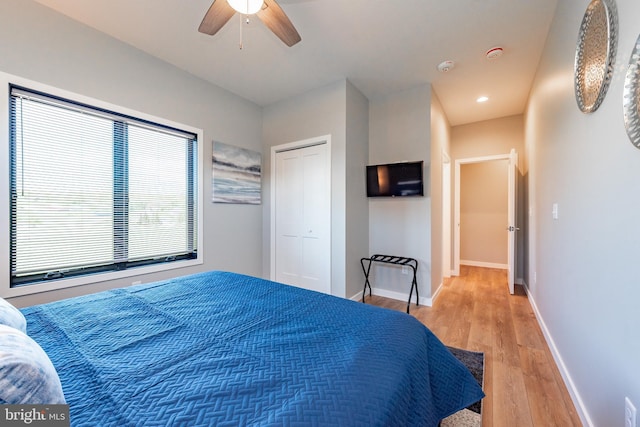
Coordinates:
[302,218]
[511,214]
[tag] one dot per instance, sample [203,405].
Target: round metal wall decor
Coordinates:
[595,54]
[631,95]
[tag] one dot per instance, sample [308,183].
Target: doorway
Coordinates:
[301,214]
[502,222]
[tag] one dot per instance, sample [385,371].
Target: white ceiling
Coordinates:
[381,46]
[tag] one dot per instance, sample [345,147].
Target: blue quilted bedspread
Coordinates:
[221,349]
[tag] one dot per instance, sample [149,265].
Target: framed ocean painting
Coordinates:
[236,175]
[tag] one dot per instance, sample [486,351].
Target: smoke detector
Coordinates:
[494,53]
[446,66]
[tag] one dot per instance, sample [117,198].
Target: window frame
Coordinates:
[6,82]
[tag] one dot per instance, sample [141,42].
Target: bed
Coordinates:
[224,349]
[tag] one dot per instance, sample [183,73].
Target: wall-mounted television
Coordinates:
[395,180]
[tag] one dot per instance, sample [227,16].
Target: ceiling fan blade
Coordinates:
[277,21]
[218,14]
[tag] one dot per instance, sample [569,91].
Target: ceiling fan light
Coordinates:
[246,7]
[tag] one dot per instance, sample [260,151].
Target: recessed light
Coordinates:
[482,99]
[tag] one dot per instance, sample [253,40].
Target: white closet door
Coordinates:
[303,218]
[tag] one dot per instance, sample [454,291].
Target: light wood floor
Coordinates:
[474,311]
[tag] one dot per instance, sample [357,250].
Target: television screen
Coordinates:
[395,180]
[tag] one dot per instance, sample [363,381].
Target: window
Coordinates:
[96,191]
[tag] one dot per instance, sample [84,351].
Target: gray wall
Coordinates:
[47,47]
[357,232]
[484,198]
[440,147]
[400,130]
[583,267]
[337,110]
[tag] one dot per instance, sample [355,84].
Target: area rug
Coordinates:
[470,416]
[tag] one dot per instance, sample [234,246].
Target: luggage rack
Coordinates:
[395,260]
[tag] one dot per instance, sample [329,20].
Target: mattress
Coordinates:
[223,349]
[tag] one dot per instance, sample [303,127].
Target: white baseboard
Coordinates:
[356,297]
[573,391]
[435,294]
[400,296]
[484,264]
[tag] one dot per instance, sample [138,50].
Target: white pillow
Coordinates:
[11,316]
[27,376]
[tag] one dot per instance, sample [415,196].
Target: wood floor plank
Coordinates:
[460,324]
[528,332]
[505,345]
[481,329]
[545,399]
[512,408]
[474,311]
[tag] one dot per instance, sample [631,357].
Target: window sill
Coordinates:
[7,292]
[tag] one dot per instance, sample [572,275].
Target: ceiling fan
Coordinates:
[268,11]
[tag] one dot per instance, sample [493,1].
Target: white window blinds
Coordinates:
[92,190]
